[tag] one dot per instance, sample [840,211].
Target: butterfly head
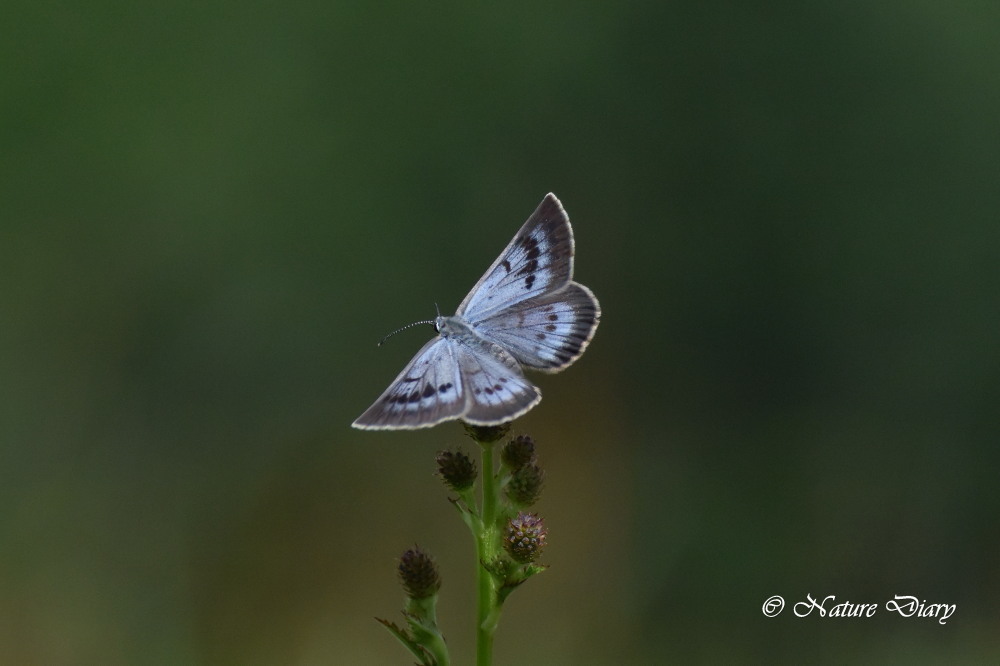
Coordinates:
[450,326]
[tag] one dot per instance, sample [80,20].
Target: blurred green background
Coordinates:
[209,213]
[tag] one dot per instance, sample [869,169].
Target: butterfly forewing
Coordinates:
[538,260]
[428,390]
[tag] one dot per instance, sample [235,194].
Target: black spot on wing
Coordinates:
[531,254]
[529,268]
[399,398]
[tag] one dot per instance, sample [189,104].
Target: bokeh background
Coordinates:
[211,211]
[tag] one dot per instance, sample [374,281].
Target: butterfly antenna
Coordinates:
[416,323]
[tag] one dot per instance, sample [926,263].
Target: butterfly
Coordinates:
[525,312]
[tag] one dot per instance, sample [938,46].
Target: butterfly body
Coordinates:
[460,333]
[524,312]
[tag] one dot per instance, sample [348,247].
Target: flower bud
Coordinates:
[525,485]
[487,434]
[518,452]
[457,470]
[419,574]
[524,537]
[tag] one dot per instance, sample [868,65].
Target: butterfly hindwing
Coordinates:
[548,332]
[497,390]
[428,391]
[538,260]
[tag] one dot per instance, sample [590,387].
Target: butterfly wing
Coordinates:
[538,260]
[428,391]
[527,301]
[548,332]
[450,379]
[496,389]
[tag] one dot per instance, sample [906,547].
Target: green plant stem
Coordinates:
[423,623]
[486,550]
